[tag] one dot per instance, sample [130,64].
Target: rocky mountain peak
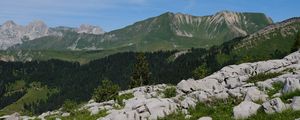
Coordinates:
[37,23]
[8,24]
[36,29]
[90,29]
[12,33]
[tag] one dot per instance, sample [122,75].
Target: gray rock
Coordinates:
[199,95]
[253,94]
[187,117]
[245,110]
[223,95]
[293,58]
[210,85]
[187,85]
[14,116]
[205,118]
[296,103]
[89,29]
[188,102]
[236,92]
[65,114]
[274,105]
[277,95]
[291,85]
[233,82]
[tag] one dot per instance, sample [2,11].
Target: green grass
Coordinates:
[285,115]
[223,110]
[122,97]
[85,115]
[170,92]
[277,86]
[289,95]
[218,110]
[263,77]
[79,115]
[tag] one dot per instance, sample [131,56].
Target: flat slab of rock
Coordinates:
[245,110]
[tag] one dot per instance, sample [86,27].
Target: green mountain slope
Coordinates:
[271,41]
[279,36]
[165,32]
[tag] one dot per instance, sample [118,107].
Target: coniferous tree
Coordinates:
[141,73]
[296,45]
[106,91]
[200,72]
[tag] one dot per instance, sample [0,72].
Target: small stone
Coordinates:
[205,118]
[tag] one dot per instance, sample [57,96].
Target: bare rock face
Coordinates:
[89,29]
[11,33]
[36,29]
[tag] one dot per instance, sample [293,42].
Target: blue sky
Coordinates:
[115,14]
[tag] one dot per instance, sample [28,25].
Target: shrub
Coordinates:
[262,77]
[141,73]
[106,91]
[122,97]
[170,92]
[69,106]
[200,72]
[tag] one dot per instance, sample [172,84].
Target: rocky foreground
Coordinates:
[230,82]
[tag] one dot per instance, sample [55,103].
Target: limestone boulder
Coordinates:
[291,85]
[296,103]
[187,85]
[188,102]
[253,94]
[245,109]
[274,105]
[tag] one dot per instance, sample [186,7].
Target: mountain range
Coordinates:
[12,33]
[164,32]
[168,31]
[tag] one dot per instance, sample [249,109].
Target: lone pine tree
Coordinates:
[141,74]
